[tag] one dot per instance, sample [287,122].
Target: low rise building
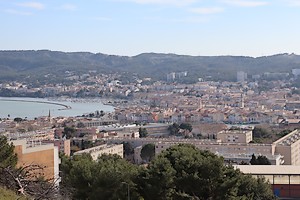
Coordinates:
[235,136]
[285,180]
[97,122]
[97,151]
[284,151]
[63,145]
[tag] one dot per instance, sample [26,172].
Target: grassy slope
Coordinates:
[9,195]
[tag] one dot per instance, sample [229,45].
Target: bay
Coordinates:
[35,107]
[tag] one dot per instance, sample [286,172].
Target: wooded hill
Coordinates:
[20,65]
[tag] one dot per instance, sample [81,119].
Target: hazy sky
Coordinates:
[131,27]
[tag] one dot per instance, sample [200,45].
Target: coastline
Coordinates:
[60,107]
[66,107]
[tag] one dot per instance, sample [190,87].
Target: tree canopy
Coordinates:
[186,126]
[184,172]
[143,132]
[259,132]
[260,160]
[127,148]
[180,172]
[26,180]
[69,132]
[174,129]
[101,179]
[7,155]
[148,152]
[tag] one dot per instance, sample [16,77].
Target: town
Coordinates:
[255,116]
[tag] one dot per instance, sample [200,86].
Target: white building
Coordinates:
[289,147]
[235,136]
[296,72]
[97,151]
[241,76]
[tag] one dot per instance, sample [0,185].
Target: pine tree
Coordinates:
[7,156]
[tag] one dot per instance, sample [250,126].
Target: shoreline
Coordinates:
[60,107]
[66,107]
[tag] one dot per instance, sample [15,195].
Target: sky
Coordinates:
[130,27]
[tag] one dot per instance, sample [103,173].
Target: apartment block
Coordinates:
[97,151]
[235,136]
[284,151]
[63,145]
[37,153]
[289,147]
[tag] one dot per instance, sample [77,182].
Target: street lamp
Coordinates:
[128,189]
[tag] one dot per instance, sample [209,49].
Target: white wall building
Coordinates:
[97,151]
[235,136]
[296,72]
[241,76]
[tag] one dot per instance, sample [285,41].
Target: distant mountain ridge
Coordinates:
[18,65]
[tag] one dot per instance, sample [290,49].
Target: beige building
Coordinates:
[221,148]
[97,122]
[63,145]
[289,147]
[36,153]
[235,136]
[280,172]
[284,151]
[97,151]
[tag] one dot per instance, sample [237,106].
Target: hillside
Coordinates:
[18,65]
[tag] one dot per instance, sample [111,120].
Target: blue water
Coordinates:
[34,109]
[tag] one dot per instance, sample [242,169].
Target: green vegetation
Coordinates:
[148,152]
[186,126]
[80,125]
[69,132]
[128,149]
[143,132]
[259,132]
[34,66]
[6,194]
[18,119]
[184,172]
[283,133]
[7,156]
[180,172]
[262,135]
[26,180]
[104,179]
[260,160]
[4,92]
[175,128]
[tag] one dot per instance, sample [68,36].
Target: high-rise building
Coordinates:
[241,76]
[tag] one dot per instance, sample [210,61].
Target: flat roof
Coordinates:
[269,169]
